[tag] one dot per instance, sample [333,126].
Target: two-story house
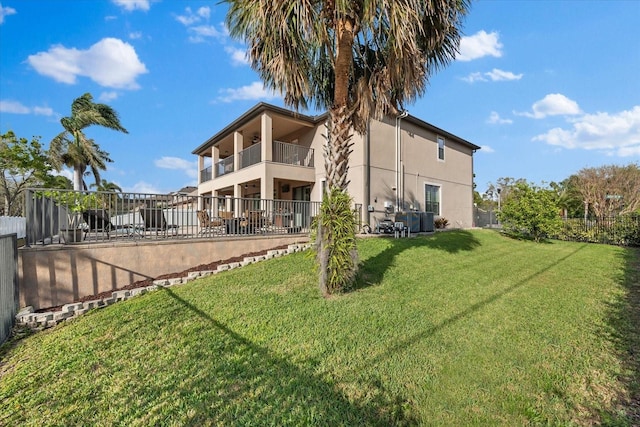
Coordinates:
[401,164]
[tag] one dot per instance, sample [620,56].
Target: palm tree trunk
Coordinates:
[336,159]
[77,178]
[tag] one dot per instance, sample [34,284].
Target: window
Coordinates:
[440,148]
[432,199]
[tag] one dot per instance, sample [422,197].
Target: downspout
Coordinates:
[398,154]
[367,173]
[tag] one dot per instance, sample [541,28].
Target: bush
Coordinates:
[531,212]
[441,223]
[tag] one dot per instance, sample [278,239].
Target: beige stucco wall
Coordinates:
[420,166]
[55,275]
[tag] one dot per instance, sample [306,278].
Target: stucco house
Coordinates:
[401,164]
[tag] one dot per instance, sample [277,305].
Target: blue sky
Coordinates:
[545,87]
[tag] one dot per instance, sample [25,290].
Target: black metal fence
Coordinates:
[618,230]
[65,216]
[8,284]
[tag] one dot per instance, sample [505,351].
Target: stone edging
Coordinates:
[27,318]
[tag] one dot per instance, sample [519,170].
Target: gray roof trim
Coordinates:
[441,132]
[251,114]
[263,106]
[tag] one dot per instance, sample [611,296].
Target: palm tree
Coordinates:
[109,193]
[359,59]
[72,148]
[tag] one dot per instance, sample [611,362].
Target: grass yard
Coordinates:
[459,328]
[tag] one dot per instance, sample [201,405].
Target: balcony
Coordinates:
[292,154]
[250,156]
[283,153]
[224,166]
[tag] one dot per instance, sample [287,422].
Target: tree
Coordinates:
[609,190]
[531,211]
[359,60]
[72,148]
[23,164]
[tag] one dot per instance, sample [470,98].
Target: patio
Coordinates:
[65,217]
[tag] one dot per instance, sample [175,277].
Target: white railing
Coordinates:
[250,156]
[292,154]
[224,166]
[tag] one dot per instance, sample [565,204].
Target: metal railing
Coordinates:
[292,154]
[283,152]
[250,156]
[206,174]
[65,216]
[224,166]
[8,284]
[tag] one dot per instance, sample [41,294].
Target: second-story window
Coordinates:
[440,148]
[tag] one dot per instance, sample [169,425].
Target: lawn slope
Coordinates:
[459,328]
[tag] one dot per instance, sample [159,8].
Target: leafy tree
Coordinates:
[23,164]
[72,148]
[610,190]
[569,199]
[106,188]
[531,211]
[358,59]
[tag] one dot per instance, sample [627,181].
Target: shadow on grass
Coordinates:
[624,328]
[412,340]
[252,386]
[372,270]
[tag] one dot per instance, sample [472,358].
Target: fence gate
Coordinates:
[8,284]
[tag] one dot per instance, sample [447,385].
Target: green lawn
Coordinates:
[459,328]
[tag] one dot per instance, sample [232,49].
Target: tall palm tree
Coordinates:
[72,148]
[359,59]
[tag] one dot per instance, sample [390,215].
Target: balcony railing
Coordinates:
[292,154]
[283,152]
[224,166]
[205,174]
[65,216]
[250,156]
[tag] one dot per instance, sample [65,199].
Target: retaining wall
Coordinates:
[50,276]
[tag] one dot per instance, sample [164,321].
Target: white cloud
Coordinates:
[238,56]
[475,77]
[554,104]
[614,134]
[142,187]
[255,90]
[479,45]
[110,63]
[15,107]
[190,17]
[130,5]
[487,149]
[135,35]
[202,31]
[495,75]
[6,11]
[494,118]
[43,111]
[108,96]
[176,163]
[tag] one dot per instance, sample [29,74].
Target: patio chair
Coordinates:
[255,221]
[208,225]
[154,221]
[97,221]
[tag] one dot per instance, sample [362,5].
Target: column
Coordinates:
[266,129]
